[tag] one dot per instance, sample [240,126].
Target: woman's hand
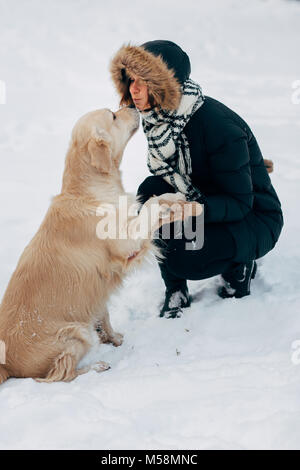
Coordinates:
[269,165]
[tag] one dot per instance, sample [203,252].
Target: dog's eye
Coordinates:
[115,117]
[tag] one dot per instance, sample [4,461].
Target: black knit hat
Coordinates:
[173,55]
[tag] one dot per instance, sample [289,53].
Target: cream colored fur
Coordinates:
[58,294]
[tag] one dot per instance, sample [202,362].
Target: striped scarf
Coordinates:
[168,147]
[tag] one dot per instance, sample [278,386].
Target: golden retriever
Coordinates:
[57,296]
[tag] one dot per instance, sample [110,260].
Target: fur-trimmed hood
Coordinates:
[153,67]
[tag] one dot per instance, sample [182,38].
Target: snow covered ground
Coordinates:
[224,375]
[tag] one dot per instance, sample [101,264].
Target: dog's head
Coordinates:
[103,135]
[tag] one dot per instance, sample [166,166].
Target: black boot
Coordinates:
[175,300]
[237,280]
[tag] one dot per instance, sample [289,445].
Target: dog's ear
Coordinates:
[99,148]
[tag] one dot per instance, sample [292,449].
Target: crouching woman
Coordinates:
[200,147]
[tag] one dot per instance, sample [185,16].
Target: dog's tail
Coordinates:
[3,374]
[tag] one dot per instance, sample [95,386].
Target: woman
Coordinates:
[200,147]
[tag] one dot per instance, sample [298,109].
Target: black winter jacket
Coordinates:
[228,168]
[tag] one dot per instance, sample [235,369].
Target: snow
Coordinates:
[222,376]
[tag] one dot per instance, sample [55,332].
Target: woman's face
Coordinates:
[139,93]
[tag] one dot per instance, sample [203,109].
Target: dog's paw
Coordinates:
[117,339]
[100,366]
[172,197]
[171,211]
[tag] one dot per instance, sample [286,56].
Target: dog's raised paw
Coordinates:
[100,366]
[172,197]
[179,196]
